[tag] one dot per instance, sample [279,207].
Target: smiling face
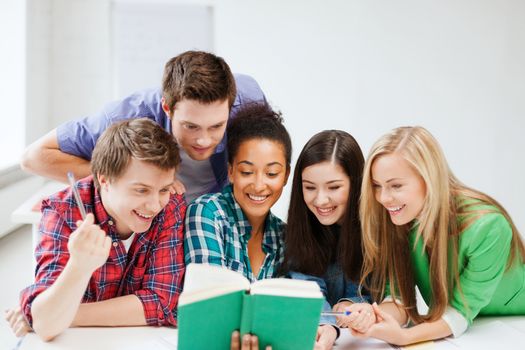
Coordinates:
[258,174]
[198,127]
[326,189]
[398,187]
[137,196]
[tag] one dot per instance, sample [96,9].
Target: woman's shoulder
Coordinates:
[276,222]
[480,221]
[210,203]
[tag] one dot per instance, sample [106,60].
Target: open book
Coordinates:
[215,301]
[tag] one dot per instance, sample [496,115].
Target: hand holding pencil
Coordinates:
[88,245]
[360,316]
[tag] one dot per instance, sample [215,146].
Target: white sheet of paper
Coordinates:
[490,336]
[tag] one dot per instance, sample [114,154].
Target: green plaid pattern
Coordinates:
[217,233]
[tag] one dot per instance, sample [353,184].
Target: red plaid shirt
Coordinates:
[153,269]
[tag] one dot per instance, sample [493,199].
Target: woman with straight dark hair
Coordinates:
[323,234]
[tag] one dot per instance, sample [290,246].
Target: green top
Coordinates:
[488,287]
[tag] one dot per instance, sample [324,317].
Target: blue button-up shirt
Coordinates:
[78,137]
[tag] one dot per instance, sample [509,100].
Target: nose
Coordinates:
[154,204]
[259,184]
[321,198]
[204,140]
[384,197]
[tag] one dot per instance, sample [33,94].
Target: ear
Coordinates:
[103,180]
[230,172]
[165,107]
[286,176]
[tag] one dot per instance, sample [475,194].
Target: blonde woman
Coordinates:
[422,227]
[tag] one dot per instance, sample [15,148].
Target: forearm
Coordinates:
[44,157]
[395,311]
[55,164]
[427,331]
[121,311]
[54,309]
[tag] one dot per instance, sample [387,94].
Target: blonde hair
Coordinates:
[386,247]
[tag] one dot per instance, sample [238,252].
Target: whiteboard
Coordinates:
[145,35]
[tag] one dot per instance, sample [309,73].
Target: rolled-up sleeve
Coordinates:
[51,255]
[78,137]
[486,247]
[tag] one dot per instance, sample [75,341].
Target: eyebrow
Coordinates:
[140,184]
[148,186]
[389,180]
[193,124]
[329,182]
[247,162]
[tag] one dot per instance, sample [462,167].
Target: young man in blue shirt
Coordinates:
[199,95]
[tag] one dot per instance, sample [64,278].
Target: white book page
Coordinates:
[204,277]
[286,287]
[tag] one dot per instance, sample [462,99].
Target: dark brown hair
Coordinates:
[142,139]
[310,246]
[257,121]
[199,76]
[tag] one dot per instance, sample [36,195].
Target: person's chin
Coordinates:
[327,221]
[400,220]
[200,154]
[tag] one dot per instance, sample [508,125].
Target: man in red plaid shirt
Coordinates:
[124,264]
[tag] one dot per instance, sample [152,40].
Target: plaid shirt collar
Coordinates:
[271,233]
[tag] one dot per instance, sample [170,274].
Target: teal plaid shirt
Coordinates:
[217,233]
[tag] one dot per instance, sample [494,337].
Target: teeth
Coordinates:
[257,198]
[395,208]
[326,210]
[143,215]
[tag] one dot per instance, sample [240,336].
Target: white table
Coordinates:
[25,214]
[134,338]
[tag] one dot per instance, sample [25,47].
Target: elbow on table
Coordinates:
[46,336]
[43,332]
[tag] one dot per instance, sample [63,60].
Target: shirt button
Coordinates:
[110,222]
[115,244]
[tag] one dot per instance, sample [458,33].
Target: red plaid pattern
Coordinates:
[153,269]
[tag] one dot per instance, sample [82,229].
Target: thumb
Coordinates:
[89,220]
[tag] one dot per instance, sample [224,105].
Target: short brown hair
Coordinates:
[142,139]
[199,76]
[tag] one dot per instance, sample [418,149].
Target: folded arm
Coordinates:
[44,157]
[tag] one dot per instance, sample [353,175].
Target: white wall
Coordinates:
[69,61]
[145,35]
[454,67]
[12,79]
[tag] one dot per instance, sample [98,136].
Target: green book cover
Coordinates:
[209,323]
[284,322]
[246,319]
[215,301]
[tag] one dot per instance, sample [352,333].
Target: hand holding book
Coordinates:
[248,342]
